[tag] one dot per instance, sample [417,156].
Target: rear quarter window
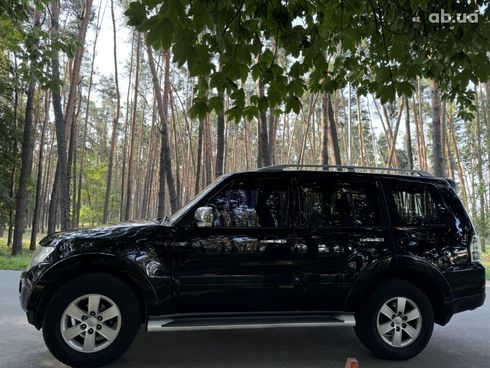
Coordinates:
[415,204]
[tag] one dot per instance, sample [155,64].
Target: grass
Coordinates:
[485,260]
[19,262]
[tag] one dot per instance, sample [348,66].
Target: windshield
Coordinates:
[180,213]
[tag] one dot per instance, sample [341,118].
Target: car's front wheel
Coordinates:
[397,320]
[91,320]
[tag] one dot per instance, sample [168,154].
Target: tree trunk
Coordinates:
[479,160]
[395,135]
[26,158]
[377,156]
[487,140]
[176,144]
[263,157]
[129,187]
[84,140]
[149,164]
[408,135]
[70,119]
[40,162]
[452,136]
[46,181]
[420,127]
[445,156]
[220,142]
[14,149]
[115,122]
[389,134]
[208,177]
[139,163]
[165,151]
[199,155]
[122,201]
[333,137]
[436,129]
[273,120]
[54,200]
[10,234]
[63,194]
[362,148]
[324,128]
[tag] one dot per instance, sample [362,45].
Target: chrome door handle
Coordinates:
[372,240]
[273,241]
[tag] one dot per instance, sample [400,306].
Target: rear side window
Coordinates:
[331,204]
[413,204]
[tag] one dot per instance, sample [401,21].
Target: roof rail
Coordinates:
[348,168]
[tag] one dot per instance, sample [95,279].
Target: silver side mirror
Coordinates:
[204,217]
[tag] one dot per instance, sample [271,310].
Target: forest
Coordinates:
[116,111]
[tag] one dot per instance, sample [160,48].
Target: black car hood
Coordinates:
[123,230]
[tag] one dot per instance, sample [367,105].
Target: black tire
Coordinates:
[94,283]
[369,313]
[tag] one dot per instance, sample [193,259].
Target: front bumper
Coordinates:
[25,292]
[31,292]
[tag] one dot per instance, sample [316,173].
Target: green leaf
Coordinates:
[201,16]
[293,103]
[199,109]
[175,10]
[136,13]
[251,112]
[238,97]
[262,103]
[216,104]
[235,113]
[151,4]
[405,88]
[266,57]
[257,71]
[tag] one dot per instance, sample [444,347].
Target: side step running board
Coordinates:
[193,322]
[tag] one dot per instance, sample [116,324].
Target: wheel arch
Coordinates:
[412,269]
[79,265]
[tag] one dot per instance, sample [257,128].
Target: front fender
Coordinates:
[139,270]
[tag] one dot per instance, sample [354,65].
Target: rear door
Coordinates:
[339,226]
[419,218]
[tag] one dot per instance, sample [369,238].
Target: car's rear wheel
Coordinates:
[397,320]
[91,320]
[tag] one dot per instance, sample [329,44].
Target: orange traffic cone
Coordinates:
[352,363]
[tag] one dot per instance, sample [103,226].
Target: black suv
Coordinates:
[284,246]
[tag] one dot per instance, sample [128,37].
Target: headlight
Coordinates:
[40,255]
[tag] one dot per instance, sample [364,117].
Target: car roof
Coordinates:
[337,174]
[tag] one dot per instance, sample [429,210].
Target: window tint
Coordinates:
[252,203]
[415,205]
[327,204]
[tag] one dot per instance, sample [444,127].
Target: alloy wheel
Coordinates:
[399,322]
[90,323]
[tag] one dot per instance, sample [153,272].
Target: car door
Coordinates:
[243,262]
[419,219]
[339,224]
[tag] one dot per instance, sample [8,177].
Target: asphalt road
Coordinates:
[464,342]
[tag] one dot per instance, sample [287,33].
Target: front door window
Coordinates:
[256,203]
